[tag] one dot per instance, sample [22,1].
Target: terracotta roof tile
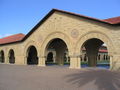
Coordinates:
[103,50]
[12,38]
[114,20]
[100,50]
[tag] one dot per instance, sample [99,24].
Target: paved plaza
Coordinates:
[23,77]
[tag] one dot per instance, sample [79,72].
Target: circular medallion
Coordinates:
[74,33]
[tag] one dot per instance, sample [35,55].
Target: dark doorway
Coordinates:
[2,57]
[32,58]
[49,58]
[11,57]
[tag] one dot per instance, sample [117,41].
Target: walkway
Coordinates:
[19,77]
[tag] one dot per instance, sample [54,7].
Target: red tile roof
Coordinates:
[103,50]
[114,20]
[12,38]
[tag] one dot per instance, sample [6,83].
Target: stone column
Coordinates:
[54,59]
[60,56]
[41,61]
[115,62]
[92,58]
[19,60]
[7,60]
[25,60]
[75,62]
[67,59]
[111,62]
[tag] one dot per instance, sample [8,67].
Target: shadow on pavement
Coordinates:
[103,79]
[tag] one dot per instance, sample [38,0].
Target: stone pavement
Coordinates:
[21,77]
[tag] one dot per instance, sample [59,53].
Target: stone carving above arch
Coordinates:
[40,38]
[74,33]
[94,34]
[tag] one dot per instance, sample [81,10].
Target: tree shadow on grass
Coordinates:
[103,79]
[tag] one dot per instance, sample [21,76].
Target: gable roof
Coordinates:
[111,21]
[12,38]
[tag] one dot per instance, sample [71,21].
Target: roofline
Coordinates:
[50,13]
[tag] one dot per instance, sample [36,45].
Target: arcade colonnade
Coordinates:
[59,42]
[60,32]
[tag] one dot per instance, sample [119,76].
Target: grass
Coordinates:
[102,62]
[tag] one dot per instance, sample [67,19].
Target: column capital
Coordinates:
[41,56]
[74,56]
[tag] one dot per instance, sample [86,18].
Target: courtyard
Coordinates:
[31,77]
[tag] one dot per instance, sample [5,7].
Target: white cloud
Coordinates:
[4,35]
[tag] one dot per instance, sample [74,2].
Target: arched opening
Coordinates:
[2,57]
[11,57]
[50,58]
[60,49]
[94,54]
[32,58]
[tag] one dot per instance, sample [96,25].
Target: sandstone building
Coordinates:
[60,32]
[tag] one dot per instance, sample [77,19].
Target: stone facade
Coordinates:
[74,32]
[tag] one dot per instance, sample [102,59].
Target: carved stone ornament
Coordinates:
[40,39]
[74,33]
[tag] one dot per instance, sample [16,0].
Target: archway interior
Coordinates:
[11,57]
[2,58]
[50,57]
[32,58]
[60,55]
[94,53]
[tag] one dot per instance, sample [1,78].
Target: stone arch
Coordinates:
[95,35]
[2,56]
[55,35]
[98,35]
[30,43]
[11,56]
[48,39]
[32,55]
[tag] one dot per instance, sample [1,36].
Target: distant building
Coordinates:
[102,54]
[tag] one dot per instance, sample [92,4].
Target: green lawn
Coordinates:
[83,62]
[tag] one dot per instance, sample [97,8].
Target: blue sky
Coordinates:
[20,16]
